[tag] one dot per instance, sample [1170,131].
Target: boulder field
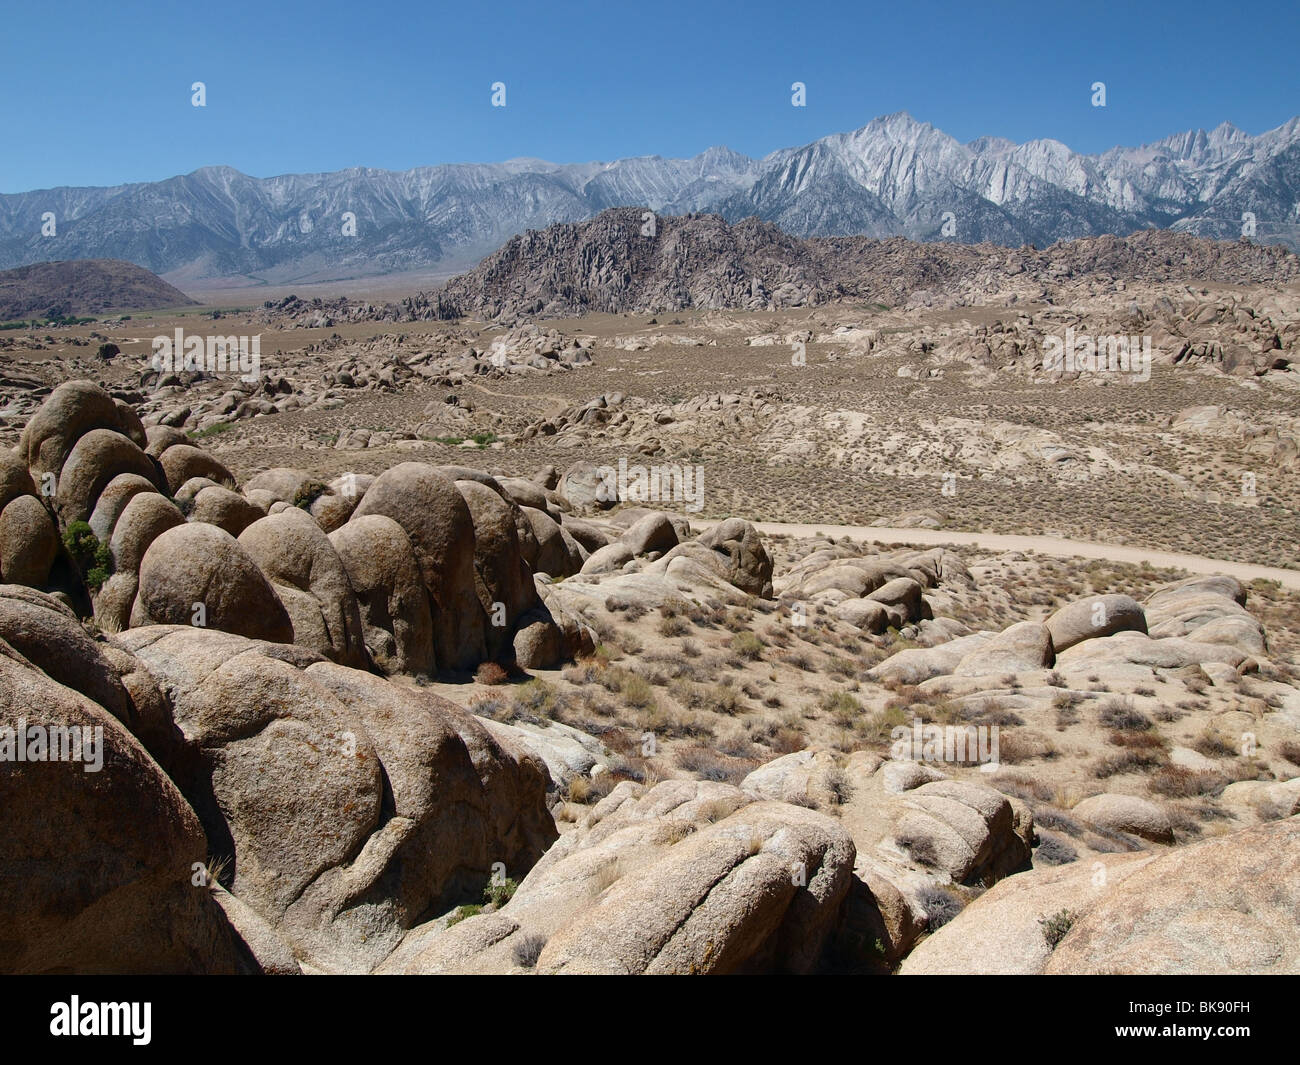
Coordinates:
[220,753]
[216,754]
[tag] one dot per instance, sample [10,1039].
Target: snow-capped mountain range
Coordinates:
[894,176]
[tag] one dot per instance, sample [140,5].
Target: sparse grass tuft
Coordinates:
[1056,927]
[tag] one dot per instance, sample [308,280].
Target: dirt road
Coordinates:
[1044,545]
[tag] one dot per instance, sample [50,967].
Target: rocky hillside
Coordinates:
[83,287]
[701,261]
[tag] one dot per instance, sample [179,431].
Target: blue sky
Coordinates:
[99,93]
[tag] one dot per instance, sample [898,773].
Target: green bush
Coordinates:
[308,493]
[211,430]
[499,892]
[462,912]
[92,557]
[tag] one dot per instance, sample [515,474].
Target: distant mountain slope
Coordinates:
[894,176]
[83,287]
[702,261]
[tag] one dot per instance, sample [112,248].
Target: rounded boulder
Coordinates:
[195,564]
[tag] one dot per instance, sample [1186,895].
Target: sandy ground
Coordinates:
[1046,545]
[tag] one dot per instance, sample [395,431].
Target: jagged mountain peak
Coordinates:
[896,175]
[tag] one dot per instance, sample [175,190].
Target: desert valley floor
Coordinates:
[688,697]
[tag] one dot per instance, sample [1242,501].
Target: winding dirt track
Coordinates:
[1044,545]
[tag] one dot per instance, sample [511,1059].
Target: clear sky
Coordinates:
[98,93]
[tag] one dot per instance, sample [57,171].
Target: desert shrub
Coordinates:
[528,949]
[1053,850]
[1057,926]
[1023,786]
[1018,746]
[787,740]
[778,635]
[91,556]
[307,494]
[735,742]
[840,666]
[1272,810]
[636,691]
[671,608]
[674,625]
[1184,824]
[880,725]
[702,616]
[1120,714]
[708,766]
[722,698]
[491,673]
[1128,760]
[611,679]
[921,848]
[841,706]
[747,645]
[940,906]
[493,706]
[581,672]
[1179,782]
[1145,741]
[634,611]
[536,698]
[689,695]
[1067,716]
[499,892]
[837,782]
[676,830]
[738,621]
[462,912]
[1213,745]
